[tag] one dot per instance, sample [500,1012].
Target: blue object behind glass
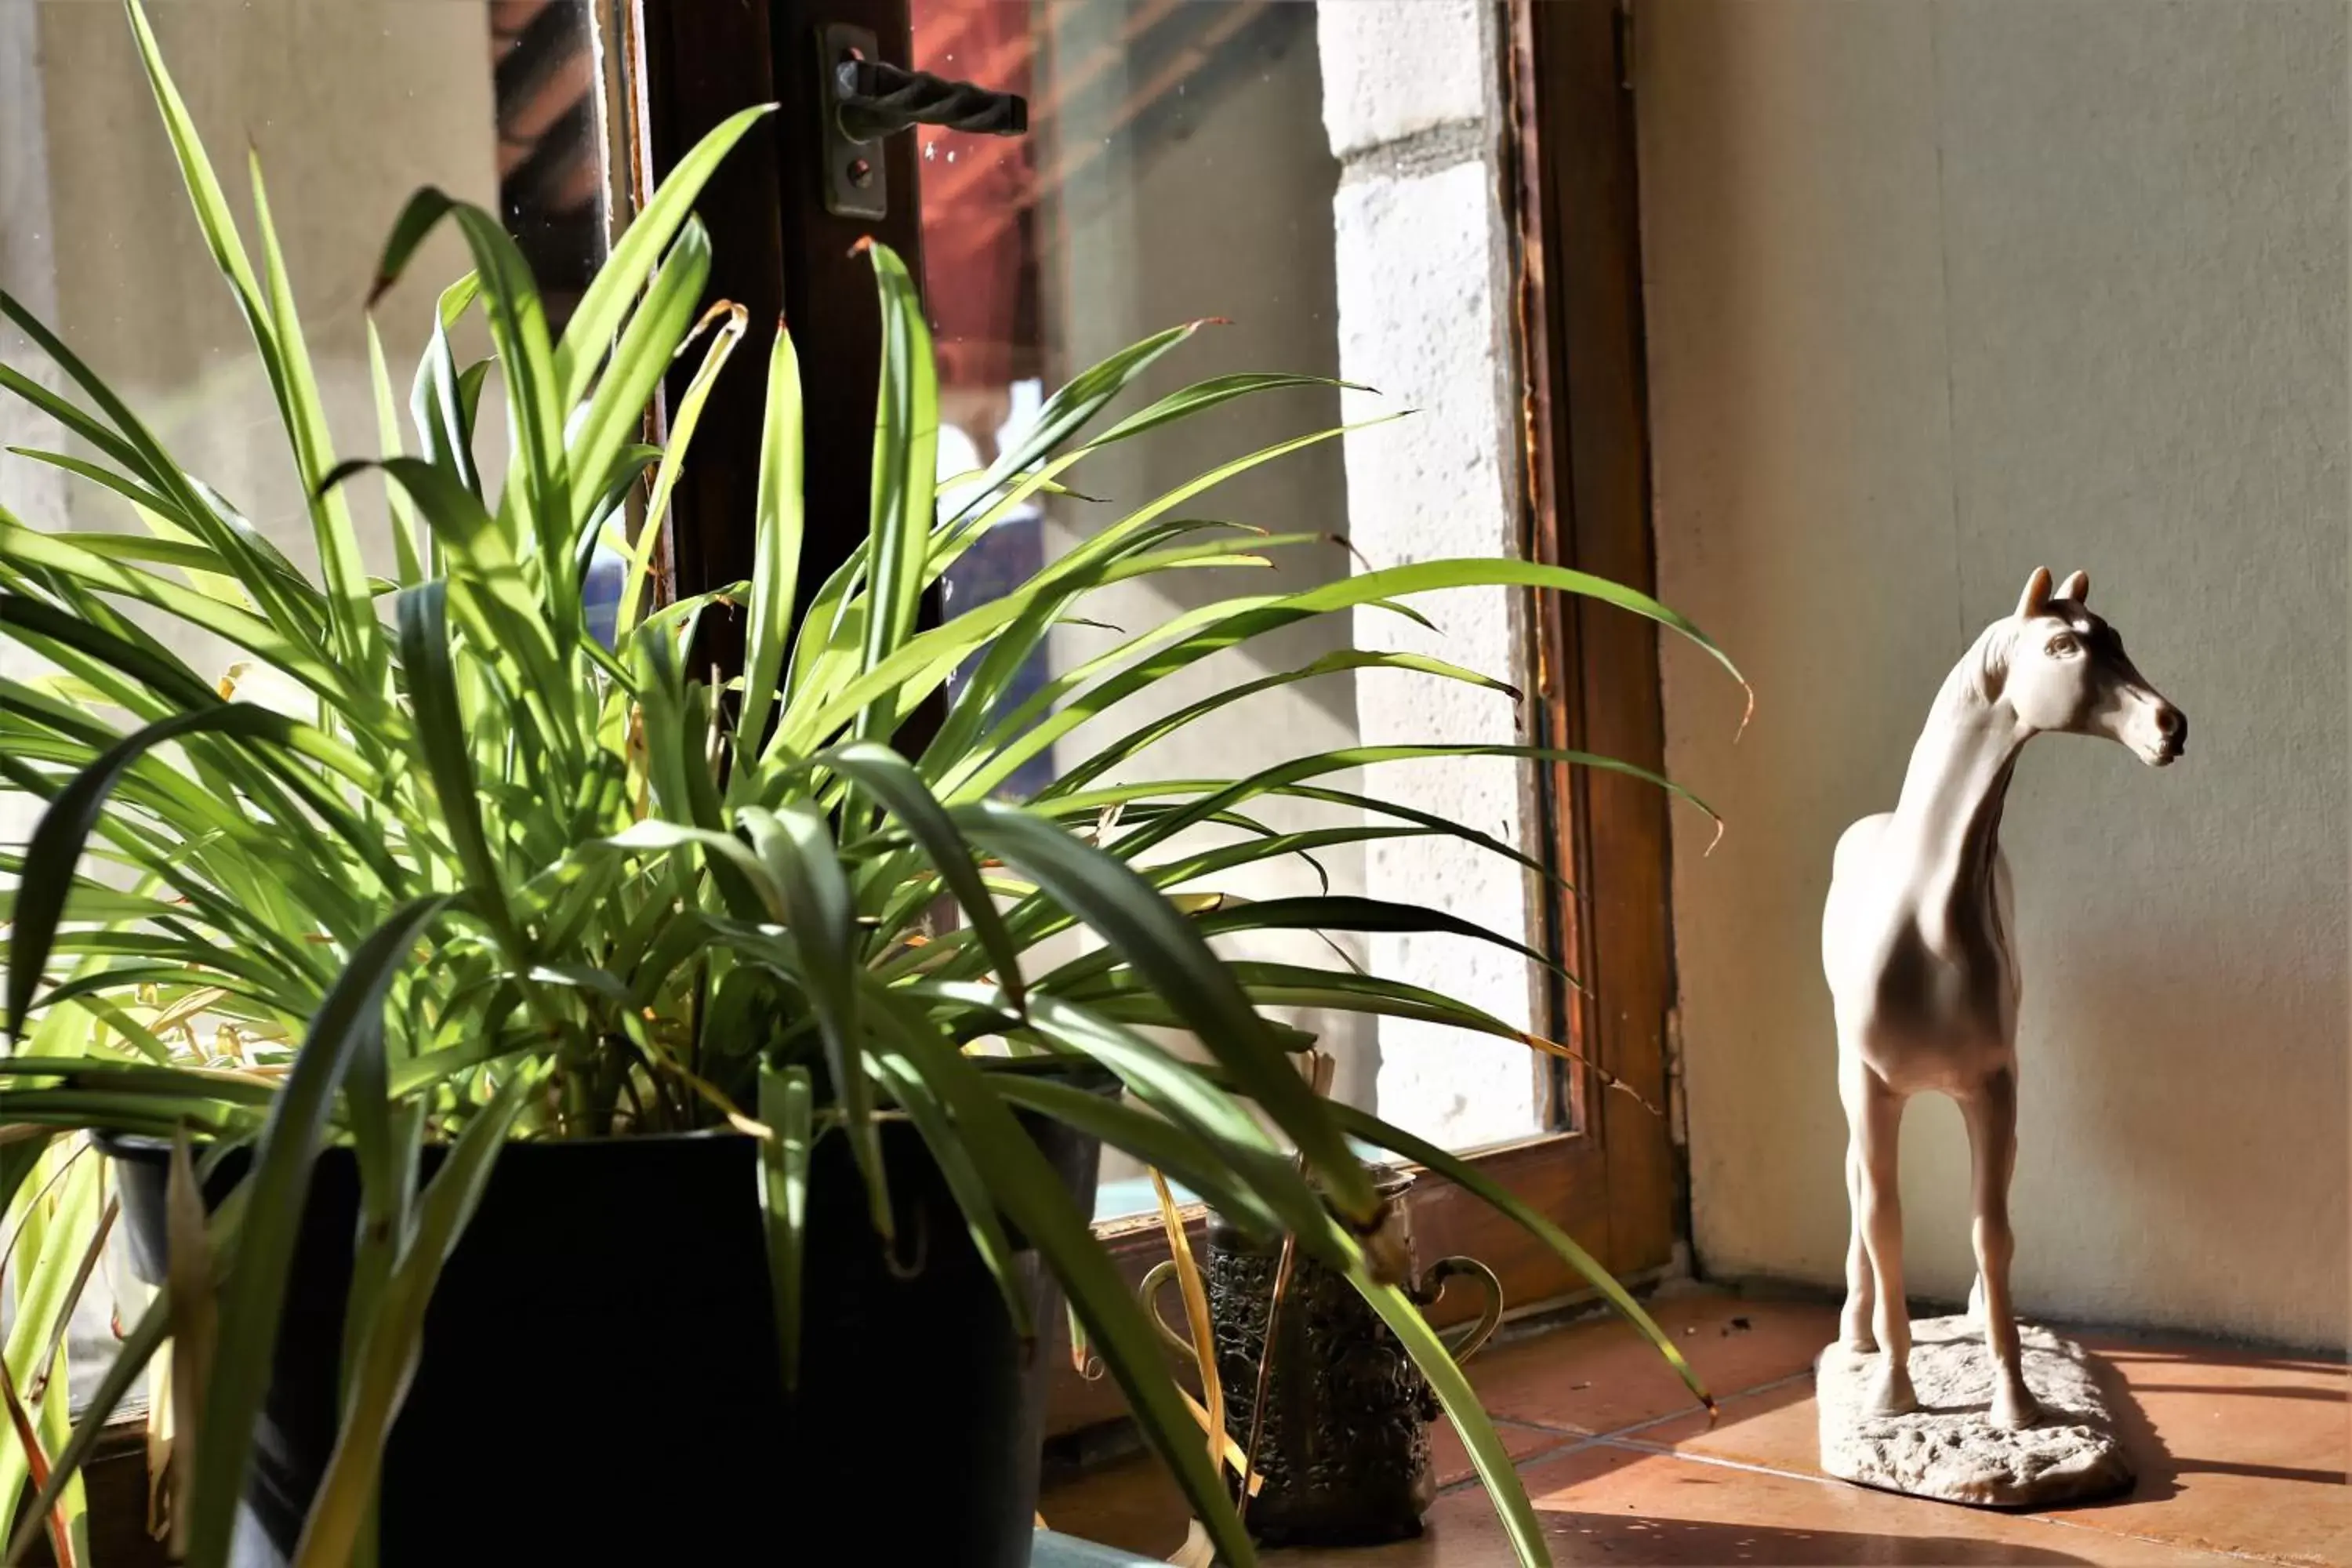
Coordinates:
[600,594]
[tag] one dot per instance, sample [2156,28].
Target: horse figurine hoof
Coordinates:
[2014,1410]
[1892,1396]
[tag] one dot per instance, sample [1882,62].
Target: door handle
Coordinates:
[862,99]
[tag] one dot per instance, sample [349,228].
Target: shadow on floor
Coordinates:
[2200,1355]
[2152,1462]
[2159,1468]
[1681,1541]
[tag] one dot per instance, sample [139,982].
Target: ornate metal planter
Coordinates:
[1344,1448]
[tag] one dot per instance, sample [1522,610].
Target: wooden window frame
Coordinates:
[1611,1178]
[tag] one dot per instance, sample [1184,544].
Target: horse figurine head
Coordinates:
[2063,668]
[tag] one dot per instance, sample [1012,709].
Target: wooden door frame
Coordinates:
[1586,480]
[1610,1179]
[777,251]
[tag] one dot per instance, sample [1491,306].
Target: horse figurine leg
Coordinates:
[1992,1117]
[1874,1120]
[1861,1293]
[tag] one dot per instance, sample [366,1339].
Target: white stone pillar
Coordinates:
[1413,103]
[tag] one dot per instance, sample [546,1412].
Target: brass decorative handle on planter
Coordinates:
[1467,1344]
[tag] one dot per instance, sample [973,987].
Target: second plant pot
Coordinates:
[599,1377]
[1344,1445]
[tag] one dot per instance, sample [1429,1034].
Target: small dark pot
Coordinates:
[599,1378]
[1344,1449]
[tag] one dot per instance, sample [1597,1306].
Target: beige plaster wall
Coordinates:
[1939,292]
[350,106]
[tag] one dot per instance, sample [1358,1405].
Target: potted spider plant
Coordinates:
[598,1150]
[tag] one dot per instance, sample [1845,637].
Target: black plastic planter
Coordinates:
[599,1380]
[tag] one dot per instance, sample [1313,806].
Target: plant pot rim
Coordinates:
[147,1145]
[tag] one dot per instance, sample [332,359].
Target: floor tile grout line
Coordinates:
[1568,1444]
[1659,1451]
[1645,1424]
[1572,1440]
[1566,1430]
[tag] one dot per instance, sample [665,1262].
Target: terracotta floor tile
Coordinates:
[1775,1427]
[1599,1377]
[1604,1503]
[1131,1504]
[2237,1452]
[1452,1461]
[1128,1503]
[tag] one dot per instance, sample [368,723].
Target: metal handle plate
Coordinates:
[862,100]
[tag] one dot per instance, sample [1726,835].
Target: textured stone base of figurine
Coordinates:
[1949,1448]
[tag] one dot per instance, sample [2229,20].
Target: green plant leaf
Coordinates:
[64,827]
[440,730]
[266,639]
[654,332]
[1298,768]
[892,781]
[687,418]
[1076,403]
[906,469]
[439,402]
[775,545]
[121,1375]
[1468,1175]
[349,1019]
[966,1185]
[1322,912]
[597,319]
[1191,1160]
[1030,1193]
[786,1102]
[388,1356]
[358,640]
[1162,947]
[388,442]
[1487,1455]
[718,847]
[540,491]
[1139,740]
[796,846]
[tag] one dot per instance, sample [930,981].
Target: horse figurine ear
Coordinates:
[2036,596]
[2075,589]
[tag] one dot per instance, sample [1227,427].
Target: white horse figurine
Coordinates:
[1915,943]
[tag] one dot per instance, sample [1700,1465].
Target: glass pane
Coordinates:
[1179,166]
[350,108]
